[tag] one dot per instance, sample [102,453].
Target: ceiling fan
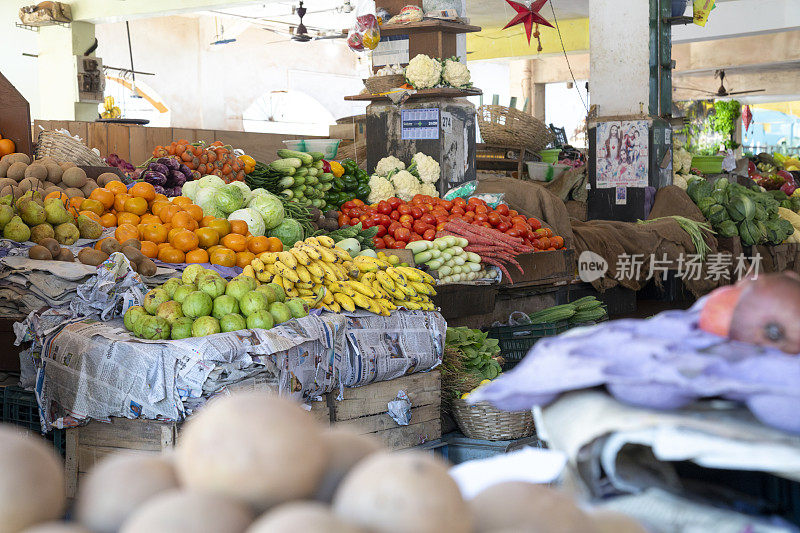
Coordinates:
[722,91]
[300,32]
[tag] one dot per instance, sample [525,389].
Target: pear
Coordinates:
[66,233]
[88,228]
[16,230]
[41,232]
[36,196]
[56,212]
[7,199]
[6,214]
[31,212]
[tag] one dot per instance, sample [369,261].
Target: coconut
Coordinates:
[308,517]
[74,177]
[67,164]
[72,192]
[32,480]
[19,157]
[347,449]
[264,433]
[7,182]
[88,188]
[36,171]
[16,171]
[119,485]
[106,177]
[397,493]
[30,184]
[4,165]
[54,173]
[181,511]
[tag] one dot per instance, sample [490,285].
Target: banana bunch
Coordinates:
[109,109]
[326,277]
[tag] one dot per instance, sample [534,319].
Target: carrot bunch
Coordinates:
[216,158]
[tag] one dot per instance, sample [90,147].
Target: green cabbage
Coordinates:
[289,232]
[205,199]
[212,181]
[229,198]
[190,189]
[270,208]
[255,224]
[245,191]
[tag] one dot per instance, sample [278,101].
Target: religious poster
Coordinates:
[622,153]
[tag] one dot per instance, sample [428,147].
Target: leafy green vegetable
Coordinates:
[726,114]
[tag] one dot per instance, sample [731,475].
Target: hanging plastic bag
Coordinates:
[365,33]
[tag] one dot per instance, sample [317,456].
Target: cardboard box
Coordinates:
[347,132]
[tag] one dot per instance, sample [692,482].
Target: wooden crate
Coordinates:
[365,410]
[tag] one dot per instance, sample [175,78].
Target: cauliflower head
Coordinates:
[455,74]
[405,185]
[429,189]
[425,167]
[388,164]
[380,189]
[423,72]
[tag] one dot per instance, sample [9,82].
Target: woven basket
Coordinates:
[383,84]
[66,148]
[505,126]
[356,151]
[482,421]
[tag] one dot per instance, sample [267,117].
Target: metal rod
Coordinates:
[130,52]
[129,70]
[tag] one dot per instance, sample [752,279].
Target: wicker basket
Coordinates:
[482,421]
[356,151]
[505,126]
[383,84]
[63,147]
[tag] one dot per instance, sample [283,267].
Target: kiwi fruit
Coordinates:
[146,267]
[17,171]
[65,255]
[67,164]
[30,184]
[37,171]
[134,243]
[88,188]
[54,173]
[133,254]
[52,245]
[106,177]
[72,192]
[40,252]
[90,256]
[74,177]
[110,246]
[4,168]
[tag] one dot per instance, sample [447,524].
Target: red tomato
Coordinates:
[481,209]
[404,209]
[406,224]
[418,199]
[502,209]
[476,201]
[415,237]
[460,202]
[470,208]
[446,204]
[381,230]
[397,245]
[419,227]
[393,226]
[440,226]
[384,207]
[503,226]
[519,220]
[368,223]
[494,219]
[514,232]
[427,218]
[481,217]
[354,221]
[544,243]
[416,212]
[347,205]
[458,210]
[384,219]
[534,223]
[469,216]
[429,234]
[394,202]
[512,213]
[406,218]
[356,201]
[394,215]
[402,234]
[438,211]
[343,220]
[484,224]
[355,212]
[388,239]
[379,243]
[363,218]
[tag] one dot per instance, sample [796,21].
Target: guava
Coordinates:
[238,287]
[171,286]
[232,322]
[183,291]
[182,328]
[253,302]
[170,311]
[280,312]
[251,282]
[269,292]
[191,272]
[132,315]
[212,285]
[197,304]
[224,305]
[154,328]
[205,325]
[260,320]
[298,307]
[153,299]
[280,294]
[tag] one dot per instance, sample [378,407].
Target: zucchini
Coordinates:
[306,159]
[317,156]
[302,171]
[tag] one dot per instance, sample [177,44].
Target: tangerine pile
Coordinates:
[174,231]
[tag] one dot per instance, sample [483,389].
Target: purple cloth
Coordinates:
[225,272]
[664,362]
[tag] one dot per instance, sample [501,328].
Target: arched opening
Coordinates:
[287,112]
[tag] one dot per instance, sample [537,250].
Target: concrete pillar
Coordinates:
[59,47]
[531,91]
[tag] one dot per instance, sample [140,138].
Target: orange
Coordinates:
[206,220]
[212,249]
[171,255]
[197,256]
[196,211]
[119,201]
[108,220]
[125,232]
[127,218]
[221,226]
[75,203]
[171,232]
[164,245]
[147,218]
[223,257]
[234,241]
[181,200]
[149,249]
[143,190]
[275,244]
[58,194]
[156,233]
[238,226]
[258,245]
[244,258]
[159,198]
[6,147]
[158,205]
[184,240]
[93,205]
[184,220]
[207,237]
[168,212]
[116,187]
[136,205]
[104,196]
[91,214]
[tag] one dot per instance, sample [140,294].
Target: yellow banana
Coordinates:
[327,298]
[287,259]
[291,291]
[426,278]
[264,276]
[345,301]
[306,292]
[411,274]
[335,307]
[311,252]
[361,288]
[423,288]
[361,301]
[379,290]
[367,278]
[317,281]
[407,289]
[327,255]
[304,285]
[311,241]
[268,257]
[286,272]
[315,270]
[340,253]
[278,280]
[326,241]
[386,282]
[340,287]
[365,266]
[248,271]
[397,276]
[303,274]
[257,264]
[300,256]
[387,304]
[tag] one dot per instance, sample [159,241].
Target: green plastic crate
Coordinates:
[708,164]
[516,341]
[20,408]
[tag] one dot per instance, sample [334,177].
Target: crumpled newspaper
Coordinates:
[110,292]
[400,409]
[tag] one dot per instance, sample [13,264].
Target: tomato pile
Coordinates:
[400,222]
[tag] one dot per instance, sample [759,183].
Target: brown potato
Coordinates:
[88,188]
[19,157]
[7,182]
[105,177]
[30,184]
[40,252]
[37,171]
[65,255]
[133,254]
[110,245]
[132,242]
[146,267]
[4,168]
[90,256]
[67,164]
[16,171]
[54,173]
[72,192]
[49,187]
[74,177]
[52,245]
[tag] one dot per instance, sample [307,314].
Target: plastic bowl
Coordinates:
[296,145]
[329,147]
[541,171]
[550,156]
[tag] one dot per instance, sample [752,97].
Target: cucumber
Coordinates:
[317,156]
[311,180]
[286,182]
[313,172]
[326,177]
[318,164]
[283,164]
[306,159]
[302,171]
[299,180]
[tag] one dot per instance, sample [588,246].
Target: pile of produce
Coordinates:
[733,210]
[19,175]
[201,302]
[216,159]
[585,310]
[479,352]
[167,175]
[449,258]
[775,172]
[425,72]
[354,239]
[128,169]
[311,181]
[392,178]
[328,277]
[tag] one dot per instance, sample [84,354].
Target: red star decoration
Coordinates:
[528,16]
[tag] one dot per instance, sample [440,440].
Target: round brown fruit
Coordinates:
[74,177]
[52,245]
[65,255]
[16,171]
[90,256]
[40,253]
[146,267]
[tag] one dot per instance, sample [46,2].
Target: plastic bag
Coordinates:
[365,33]
[492,199]
[465,190]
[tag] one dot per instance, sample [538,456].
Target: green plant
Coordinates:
[726,113]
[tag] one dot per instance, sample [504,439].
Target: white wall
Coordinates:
[20,70]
